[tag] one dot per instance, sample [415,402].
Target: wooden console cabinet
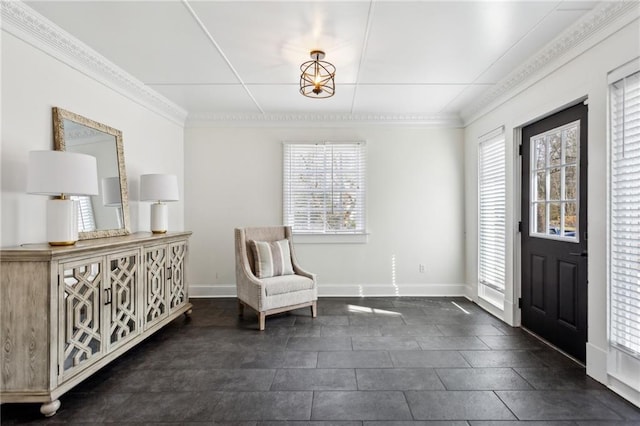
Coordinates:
[68,311]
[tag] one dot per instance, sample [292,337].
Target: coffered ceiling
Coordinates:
[243,57]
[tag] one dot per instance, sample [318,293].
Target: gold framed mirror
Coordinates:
[105,214]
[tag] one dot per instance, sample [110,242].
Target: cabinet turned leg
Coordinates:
[50,408]
[188,313]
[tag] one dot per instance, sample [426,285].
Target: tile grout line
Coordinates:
[507,406]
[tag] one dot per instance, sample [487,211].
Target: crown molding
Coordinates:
[322,120]
[23,22]
[584,34]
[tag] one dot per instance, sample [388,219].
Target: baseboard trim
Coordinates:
[349,290]
[597,363]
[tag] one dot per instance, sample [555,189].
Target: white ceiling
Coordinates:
[241,57]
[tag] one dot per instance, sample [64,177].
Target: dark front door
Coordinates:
[554,229]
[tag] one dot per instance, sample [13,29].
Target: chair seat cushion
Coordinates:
[286,284]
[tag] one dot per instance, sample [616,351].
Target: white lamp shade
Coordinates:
[111,194]
[158,187]
[62,172]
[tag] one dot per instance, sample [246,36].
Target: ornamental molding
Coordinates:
[321,120]
[29,26]
[559,51]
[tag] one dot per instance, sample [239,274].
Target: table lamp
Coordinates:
[60,174]
[159,188]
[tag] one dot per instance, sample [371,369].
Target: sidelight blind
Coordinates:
[492,215]
[624,215]
[324,187]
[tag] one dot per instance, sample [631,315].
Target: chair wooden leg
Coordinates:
[262,320]
[314,310]
[240,308]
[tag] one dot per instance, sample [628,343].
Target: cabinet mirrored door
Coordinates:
[121,304]
[80,306]
[177,284]
[155,309]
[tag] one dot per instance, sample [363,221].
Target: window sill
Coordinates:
[331,238]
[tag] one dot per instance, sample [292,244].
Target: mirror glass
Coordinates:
[105,214]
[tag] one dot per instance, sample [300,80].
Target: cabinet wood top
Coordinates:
[44,252]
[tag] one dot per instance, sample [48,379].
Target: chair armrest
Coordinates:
[250,288]
[294,260]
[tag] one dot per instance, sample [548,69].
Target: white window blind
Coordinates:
[86,218]
[492,216]
[324,187]
[624,215]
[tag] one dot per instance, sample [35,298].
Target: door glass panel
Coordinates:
[570,219]
[555,148]
[555,222]
[541,186]
[541,218]
[571,146]
[539,154]
[554,183]
[570,183]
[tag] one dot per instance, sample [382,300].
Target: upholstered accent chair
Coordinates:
[268,277]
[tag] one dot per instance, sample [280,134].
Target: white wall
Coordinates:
[415,208]
[584,76]
[32,83]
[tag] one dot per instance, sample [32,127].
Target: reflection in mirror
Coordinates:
[105,214]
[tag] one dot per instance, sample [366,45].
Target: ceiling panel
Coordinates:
[444,42]
[287,98]
[554,24]
[267,41]
[467,96]
[202,99]
[405,99]
[155,41]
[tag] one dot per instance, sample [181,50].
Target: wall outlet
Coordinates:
[421,268]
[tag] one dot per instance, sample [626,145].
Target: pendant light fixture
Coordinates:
[317,78]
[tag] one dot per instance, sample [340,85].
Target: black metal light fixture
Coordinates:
[317,78]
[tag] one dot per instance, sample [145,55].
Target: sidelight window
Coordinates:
[624,215]
[492,191]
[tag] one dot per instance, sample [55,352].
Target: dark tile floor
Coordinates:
[362,362]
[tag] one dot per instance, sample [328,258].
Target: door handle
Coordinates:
[583,253]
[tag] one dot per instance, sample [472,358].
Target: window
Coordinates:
[324,187]
[624,215]
[492,217]
[554,183]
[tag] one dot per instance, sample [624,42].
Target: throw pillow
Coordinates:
[272,258]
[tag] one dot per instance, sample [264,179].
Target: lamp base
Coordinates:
[62,222]
[159,218]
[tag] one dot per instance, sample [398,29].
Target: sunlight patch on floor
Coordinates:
[368,310]
[461,308]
